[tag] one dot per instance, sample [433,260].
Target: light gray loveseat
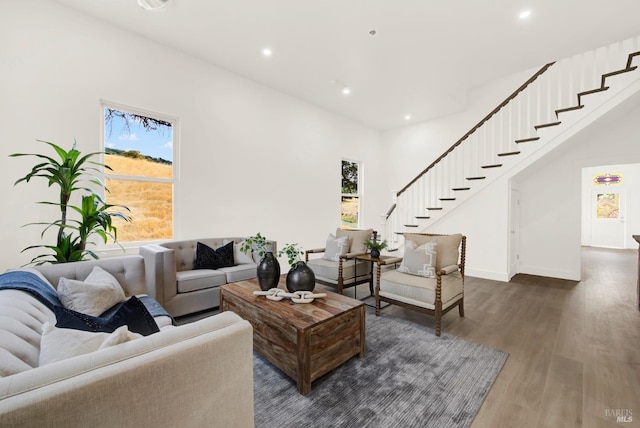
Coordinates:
[194,375]
[180,288]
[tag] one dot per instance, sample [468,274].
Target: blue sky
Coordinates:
[158,143]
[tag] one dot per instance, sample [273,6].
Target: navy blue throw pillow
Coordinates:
[208,258]
[131,313]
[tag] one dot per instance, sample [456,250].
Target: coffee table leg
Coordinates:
[303,371]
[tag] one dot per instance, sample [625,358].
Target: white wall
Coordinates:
[631,187]
[551,192]
[251,159]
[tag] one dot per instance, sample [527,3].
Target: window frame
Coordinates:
[358,194]
[174,164]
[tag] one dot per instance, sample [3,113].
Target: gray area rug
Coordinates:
[409,378]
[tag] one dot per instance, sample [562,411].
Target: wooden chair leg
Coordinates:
[461,307]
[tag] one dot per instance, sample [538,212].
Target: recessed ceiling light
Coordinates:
[525,14]
[153,4]
[346,90]
[267,52]
[407,117]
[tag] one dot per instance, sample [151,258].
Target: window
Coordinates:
[139,151]
[608,205]
[350,203]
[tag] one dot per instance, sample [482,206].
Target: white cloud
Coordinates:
[109,144]
[129,137]
[168,145]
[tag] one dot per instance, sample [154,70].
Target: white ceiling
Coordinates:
[423,59]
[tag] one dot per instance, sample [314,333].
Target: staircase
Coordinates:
[555,103]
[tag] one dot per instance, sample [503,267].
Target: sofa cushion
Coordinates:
[240,272]
[132,313]
[420,291]
[209,258]
[192,280]
[58,344]
[419,260]
[335,247]
[97,293]
[239,257]
[357,239]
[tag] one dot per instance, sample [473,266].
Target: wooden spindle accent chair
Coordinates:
[337,267]
[425,280]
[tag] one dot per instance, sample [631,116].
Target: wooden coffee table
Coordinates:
[304,340]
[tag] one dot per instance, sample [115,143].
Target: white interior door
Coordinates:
[608,209]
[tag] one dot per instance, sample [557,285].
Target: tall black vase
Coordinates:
[268,272]
[301,278]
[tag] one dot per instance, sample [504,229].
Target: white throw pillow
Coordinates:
[97,293]
[238,256]
[336,247]
[420,261]
[57,344]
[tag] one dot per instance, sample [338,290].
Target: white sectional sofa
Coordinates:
[194,375]
[179,287]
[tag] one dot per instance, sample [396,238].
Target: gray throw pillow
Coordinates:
[336,247]
[419,260]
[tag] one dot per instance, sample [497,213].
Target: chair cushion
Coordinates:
[418,290]
[192,280]
[420,260]
[335,247]
[357,239]
[327,270]
[448,247]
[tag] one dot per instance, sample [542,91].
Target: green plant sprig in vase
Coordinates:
[375,247]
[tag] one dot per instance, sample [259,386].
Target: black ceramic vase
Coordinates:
[301,278]
[268,272]
[375,253]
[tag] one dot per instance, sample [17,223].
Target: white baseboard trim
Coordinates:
[487,274]
[551,273]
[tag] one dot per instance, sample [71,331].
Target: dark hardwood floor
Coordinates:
[574,347]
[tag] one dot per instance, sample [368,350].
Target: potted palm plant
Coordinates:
[72,173]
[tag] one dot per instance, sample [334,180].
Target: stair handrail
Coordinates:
[479,124]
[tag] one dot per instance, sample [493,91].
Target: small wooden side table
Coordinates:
[374,261]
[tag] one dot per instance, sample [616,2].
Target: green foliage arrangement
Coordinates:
[375,244]
[71,173]
[293,253]
[256,243]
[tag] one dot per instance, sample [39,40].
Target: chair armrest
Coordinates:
[390,261]
[448,269]
[316,250]
[350,256]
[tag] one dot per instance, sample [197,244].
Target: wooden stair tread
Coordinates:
[630,58]
[593,91]
[497,165]
[547,125]
[615,73]
[508,154]
[434,208]
[457,189]
[562,110]
[410,225]
[447,199]
[476,178]
[422,217]
[526,140]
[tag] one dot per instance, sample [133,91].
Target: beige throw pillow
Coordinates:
[93,296]
[238,256]
[335,247]
[57,344]
[448,247]
[357,239]
[419,260]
